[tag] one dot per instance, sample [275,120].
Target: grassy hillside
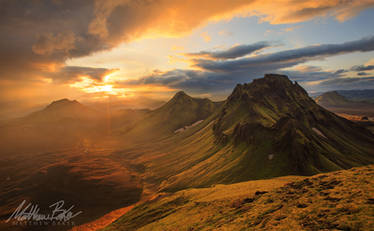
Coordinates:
[340,200]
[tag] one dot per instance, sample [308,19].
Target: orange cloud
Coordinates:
[287,11]
[174,18]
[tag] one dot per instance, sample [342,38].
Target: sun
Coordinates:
[104,88]
[107,89]
[88,85]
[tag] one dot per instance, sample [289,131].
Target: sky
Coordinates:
[130,49]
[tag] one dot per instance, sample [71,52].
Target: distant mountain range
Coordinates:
[364,95]
[332,98]
[338,103]
[63,109]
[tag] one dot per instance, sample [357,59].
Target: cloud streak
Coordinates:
[363,68]
[288,58]
[231,53]
[348,83]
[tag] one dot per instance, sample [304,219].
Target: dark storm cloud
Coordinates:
[35,34]
[233,52]
[45,32]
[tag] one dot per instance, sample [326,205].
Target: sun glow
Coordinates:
[104,88]
[108,77]
[89,85]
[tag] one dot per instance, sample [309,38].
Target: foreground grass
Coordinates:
[341,200]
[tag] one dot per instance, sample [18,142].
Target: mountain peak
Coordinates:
[262,103]
[62,109]
[332,93]
[336,94]
[180,111]
[270,87]
[62,103]
[274,115]
[181,94]
[276,77]
[181,97]
[273,80]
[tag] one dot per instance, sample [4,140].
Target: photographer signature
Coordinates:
[30,212]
